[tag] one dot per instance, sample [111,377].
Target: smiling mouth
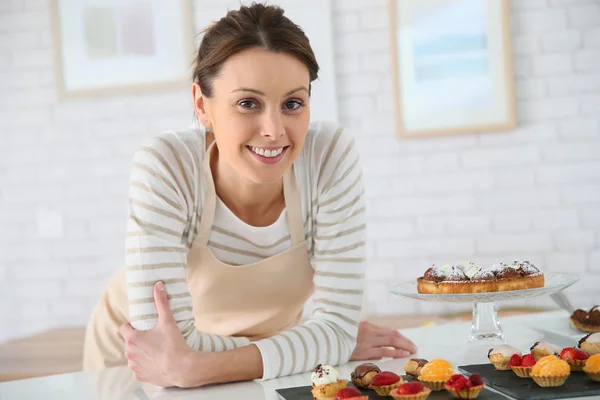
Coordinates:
[270,152]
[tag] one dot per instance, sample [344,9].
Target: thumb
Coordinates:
[162,303]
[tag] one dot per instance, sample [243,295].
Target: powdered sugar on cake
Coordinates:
[469,271]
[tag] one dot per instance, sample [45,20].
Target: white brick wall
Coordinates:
[531,193]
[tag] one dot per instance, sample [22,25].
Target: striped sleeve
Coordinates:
[161,203]
[338,258]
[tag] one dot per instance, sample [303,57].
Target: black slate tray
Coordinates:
[577,385]
[303,393]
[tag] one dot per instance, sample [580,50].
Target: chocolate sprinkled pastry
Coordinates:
[583,340]
[586,321]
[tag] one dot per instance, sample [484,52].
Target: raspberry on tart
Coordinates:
[574,357]
[461,387]
[384,382]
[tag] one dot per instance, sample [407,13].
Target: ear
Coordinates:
[200,106]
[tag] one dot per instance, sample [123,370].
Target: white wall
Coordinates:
[533,193]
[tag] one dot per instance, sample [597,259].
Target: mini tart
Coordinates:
[550,371]
[469,393]
[592,367]
[521,371]
[500,356]
[435,373]
[419,396]
[384,390]
[576,365]
[362,376]
[327,391]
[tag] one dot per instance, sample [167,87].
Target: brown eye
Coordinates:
[293,105]
[248,104]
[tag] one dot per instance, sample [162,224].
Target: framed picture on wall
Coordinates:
[451,63]
[108,46]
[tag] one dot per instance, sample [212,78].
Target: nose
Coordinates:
[272,125]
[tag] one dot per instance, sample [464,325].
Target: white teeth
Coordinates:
[267,153]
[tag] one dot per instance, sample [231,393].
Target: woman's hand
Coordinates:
[157,356]
[374,342]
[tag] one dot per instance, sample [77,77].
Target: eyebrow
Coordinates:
[262,94]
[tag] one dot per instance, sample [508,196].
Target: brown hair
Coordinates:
[257,25]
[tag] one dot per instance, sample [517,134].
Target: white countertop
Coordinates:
[443,341]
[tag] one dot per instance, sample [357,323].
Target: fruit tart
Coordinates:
[542,349]
[413,367]
[410,391]
[550,371]
[350,393]
[590,343]
[461,387]
[522,366]
[592,367]
[435,373]
[384,382]
[326,382]
[500,356]
[362,376]
[576,358]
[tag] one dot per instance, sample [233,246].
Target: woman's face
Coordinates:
[259,113]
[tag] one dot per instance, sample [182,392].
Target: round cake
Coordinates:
[471,278]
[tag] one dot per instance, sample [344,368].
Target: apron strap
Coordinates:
[293,206]
[210,200]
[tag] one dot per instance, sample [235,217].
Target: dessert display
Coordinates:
[384,382]
[461,387]
[587,321]
[592,367]
[326,382]
[413,367]
[500,356]
[435,373]
[410,391]
[542,349]
[362,376]
[590,343]
[350,393]
[471,278]
[522,366]
[550,371]
[576,358]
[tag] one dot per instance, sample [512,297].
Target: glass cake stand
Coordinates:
[485,327]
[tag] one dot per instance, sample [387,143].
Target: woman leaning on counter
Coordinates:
[233,225]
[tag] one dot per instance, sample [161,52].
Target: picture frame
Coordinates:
[451,67]
[103,47]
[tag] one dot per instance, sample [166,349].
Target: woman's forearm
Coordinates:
[241,364]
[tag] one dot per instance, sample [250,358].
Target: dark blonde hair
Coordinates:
[253,26]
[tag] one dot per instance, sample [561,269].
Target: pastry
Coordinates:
[522,366]
[590,343]
[471,278]
[410,391]
[461,387]
[587,321]
[362,376]
[350,393]
[576,358]
[592,367]
[326,382]
[550,371]
[413,367]
[500,356]
[435,373]
[542,349]
[384,382]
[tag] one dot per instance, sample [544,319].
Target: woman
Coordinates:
[240,222]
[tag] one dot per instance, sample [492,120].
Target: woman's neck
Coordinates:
[255,204]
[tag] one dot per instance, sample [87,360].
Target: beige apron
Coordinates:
[256,301]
